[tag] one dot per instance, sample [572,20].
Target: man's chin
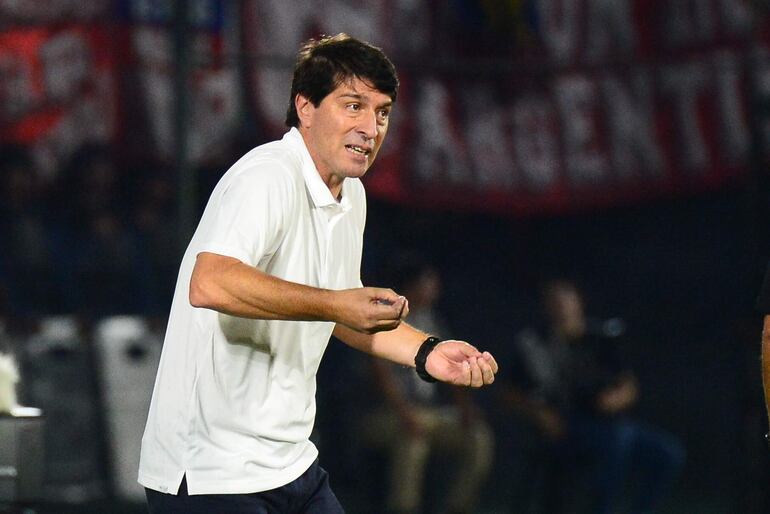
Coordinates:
[356,172]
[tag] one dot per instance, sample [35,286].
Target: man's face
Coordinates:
[345,131]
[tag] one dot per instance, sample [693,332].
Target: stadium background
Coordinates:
[623,143]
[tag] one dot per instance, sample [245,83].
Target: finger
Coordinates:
[491,360]
[384,311]
[404,309]
[473,372]
[467,349]
[467,367]
[487,374]
[386,296]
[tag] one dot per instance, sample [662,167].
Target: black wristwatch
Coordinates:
[421,358]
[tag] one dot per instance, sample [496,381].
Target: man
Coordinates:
[574,387]
[270,274]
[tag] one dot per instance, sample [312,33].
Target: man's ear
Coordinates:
[305,110]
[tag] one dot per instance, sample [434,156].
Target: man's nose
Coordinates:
[368,125]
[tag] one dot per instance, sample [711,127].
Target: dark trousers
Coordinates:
[309,494]
[620,448]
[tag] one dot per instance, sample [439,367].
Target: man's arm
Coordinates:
[455,362]
[227,285]
[766,362]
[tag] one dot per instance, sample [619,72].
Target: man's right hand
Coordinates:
[370,309]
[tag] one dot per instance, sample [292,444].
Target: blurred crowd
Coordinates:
[91,239]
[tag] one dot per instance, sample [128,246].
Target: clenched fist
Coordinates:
[370,309]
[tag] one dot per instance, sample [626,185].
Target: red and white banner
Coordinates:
[57,90]
[511,107]
[576,104]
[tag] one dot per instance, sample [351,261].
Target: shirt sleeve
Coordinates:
[763,300]
[247,218]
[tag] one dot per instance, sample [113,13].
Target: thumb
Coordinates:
[386,296]
[468,350]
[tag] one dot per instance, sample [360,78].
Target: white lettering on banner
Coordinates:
[535,140]
[439,153]
[214,97]
[90,118]
[488,142]
[688,22]
[610,29]
[685,82]
[17,94]
[215,113]
[560,24]
[67,65]
[153,47]
[159,108]
[576,97]
[734,128]
[631,127]
[760,99]
[277,31]
[154,52]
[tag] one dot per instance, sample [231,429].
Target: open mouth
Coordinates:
[359,150]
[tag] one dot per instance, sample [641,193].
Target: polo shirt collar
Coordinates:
[319,191]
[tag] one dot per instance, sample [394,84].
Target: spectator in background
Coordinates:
[418,418]
[102,265]
[26,257]
[571,382]
[155,223]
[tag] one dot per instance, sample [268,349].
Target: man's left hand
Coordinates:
[459,363]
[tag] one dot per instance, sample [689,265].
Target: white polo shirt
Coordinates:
[234,399]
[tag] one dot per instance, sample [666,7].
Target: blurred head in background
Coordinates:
[564,308]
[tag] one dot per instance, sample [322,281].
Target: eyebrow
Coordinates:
[357,96]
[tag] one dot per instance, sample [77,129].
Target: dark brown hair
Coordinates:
[325,63]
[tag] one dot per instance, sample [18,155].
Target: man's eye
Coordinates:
[354,107]
[384,114]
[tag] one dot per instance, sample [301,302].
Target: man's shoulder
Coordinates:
[275,155]
[267,163]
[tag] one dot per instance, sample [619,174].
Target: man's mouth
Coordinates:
[360,150]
